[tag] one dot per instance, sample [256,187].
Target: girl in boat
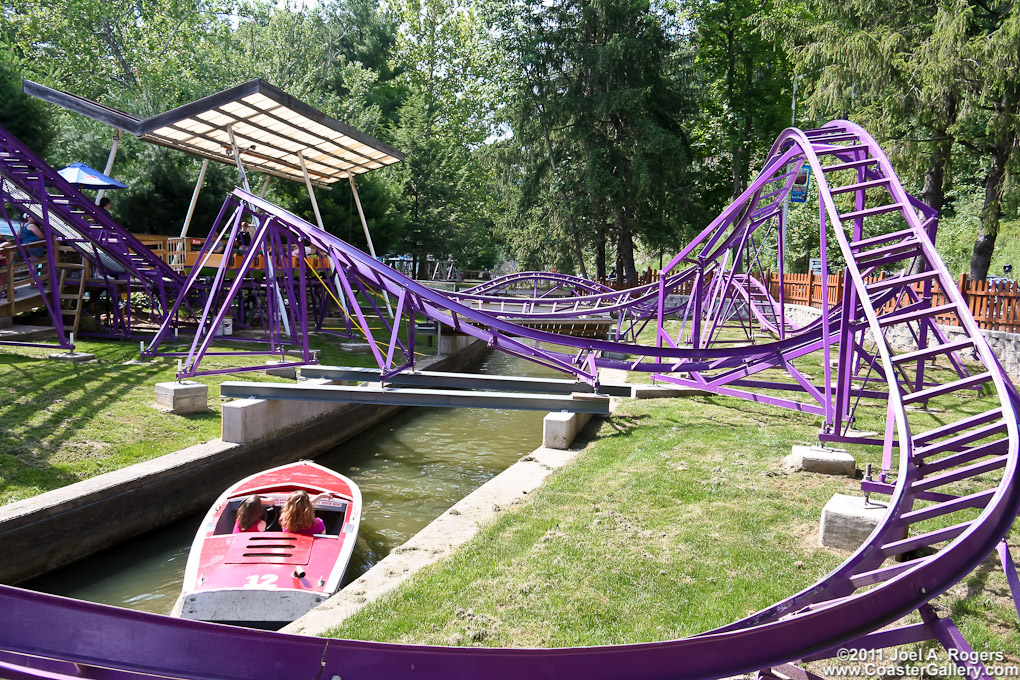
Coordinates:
[298,515]
[250,515]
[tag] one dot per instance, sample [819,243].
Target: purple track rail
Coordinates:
[953,492]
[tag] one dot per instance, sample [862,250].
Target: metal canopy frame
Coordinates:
[271,128]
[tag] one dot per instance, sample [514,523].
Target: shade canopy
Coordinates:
[272,131]
[82,175]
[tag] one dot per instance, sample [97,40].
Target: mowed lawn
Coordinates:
[676,518]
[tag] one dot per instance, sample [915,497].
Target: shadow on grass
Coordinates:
[619,425]
[82,391]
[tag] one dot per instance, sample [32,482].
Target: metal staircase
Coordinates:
[116,257]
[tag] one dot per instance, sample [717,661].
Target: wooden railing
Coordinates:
[17,286]
[994,305]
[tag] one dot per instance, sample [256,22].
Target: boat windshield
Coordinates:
[332,512]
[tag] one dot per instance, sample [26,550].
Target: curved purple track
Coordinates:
[954,497]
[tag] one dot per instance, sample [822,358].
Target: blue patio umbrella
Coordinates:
[82,175]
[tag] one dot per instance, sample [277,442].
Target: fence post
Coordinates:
[811,288]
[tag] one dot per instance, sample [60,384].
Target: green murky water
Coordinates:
[410,468]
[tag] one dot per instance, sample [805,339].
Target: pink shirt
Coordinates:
[258,526]
[318,528]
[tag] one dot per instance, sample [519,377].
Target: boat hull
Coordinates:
[271,576]
[246,605]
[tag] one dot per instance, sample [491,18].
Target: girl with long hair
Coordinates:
[298,515]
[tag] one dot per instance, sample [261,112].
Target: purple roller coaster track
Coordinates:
[953,492]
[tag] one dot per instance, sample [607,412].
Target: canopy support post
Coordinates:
[237,159]
[368,236]
[109,162]
[311,193]
[194,197]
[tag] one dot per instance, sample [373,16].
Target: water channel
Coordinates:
[410,468]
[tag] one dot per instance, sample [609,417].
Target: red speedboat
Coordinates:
[271,576]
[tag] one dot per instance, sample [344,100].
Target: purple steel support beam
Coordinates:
[190,283]
[830,416]
[1012,579]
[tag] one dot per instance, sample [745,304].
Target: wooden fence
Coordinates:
[994,305]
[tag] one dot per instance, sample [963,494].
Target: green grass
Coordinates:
[63,422]
[955,242]
[675,519]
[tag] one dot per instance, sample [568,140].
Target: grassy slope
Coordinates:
[956,242]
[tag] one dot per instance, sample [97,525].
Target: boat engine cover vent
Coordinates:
[269,547]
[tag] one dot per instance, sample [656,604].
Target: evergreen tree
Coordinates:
[600,79]
[27,118]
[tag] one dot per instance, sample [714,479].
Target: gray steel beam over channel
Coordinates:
[467,381]
[598,405]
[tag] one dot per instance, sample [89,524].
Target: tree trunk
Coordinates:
[934,192]
[990,213]
[567,213]
[625,248]
[600,253]
[579,254]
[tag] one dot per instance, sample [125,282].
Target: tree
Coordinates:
[442,124]
[25,117]
[744,81]
[988,36]
[600,108]
[928,74]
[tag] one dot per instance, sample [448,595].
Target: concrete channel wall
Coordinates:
[59,527]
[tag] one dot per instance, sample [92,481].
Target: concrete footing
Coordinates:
[356,347]
[286,372]
[73,357]
[661,391]
[450,343]
[182,397]
[847,521]
[245,421]
[824,461]
[560,429]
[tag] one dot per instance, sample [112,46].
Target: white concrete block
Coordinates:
[560,429]
[613,376]
[663,391]
[182,397]
[286,372]
[248,420]
[450,343]
[847,521]
[356,347]
[824,461]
